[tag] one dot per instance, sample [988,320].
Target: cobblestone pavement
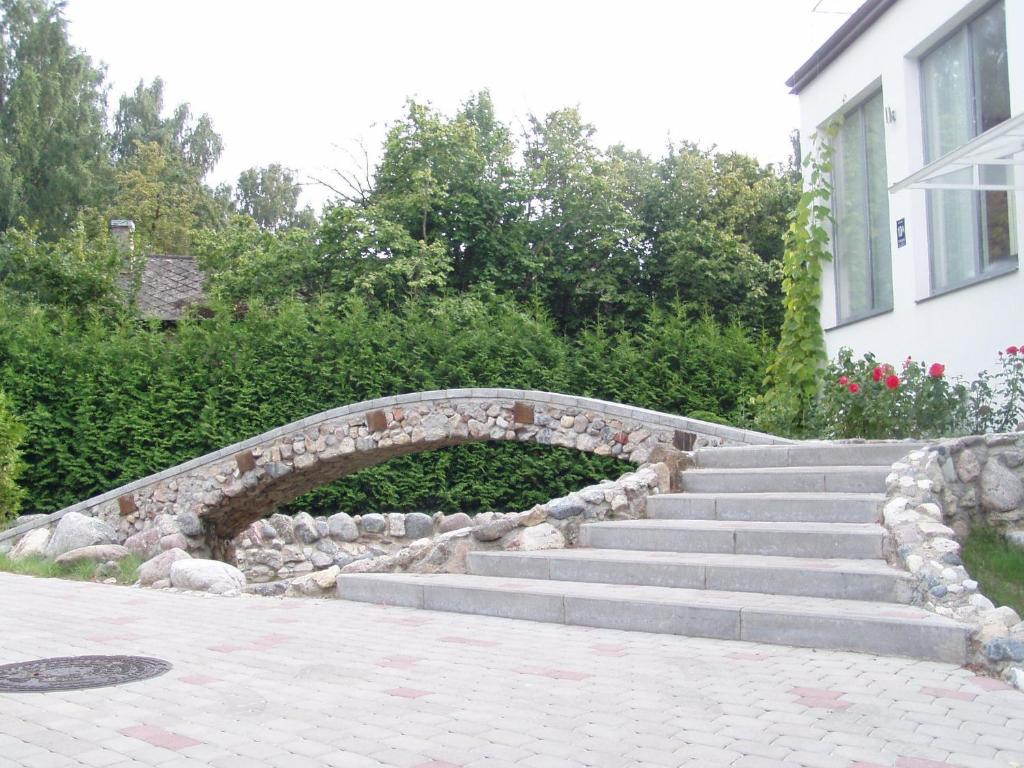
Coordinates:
[290,683]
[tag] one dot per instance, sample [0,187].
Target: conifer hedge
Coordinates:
[106,400]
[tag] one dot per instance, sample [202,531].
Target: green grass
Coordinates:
[36,565]
[997,567]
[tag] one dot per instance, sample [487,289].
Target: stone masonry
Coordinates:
[935,495]
[202,505]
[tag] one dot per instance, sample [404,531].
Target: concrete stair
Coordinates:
[775,544]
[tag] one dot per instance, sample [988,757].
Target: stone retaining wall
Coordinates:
[934,496]
[304,555]
[201,505]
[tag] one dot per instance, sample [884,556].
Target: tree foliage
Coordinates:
[11,466]
[270,197]
[106,399]
[53,144]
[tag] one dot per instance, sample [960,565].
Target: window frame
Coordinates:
[978,209]
[858,111]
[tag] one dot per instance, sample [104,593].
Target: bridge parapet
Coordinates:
[202,504]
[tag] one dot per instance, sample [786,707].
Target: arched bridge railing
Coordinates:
[207,500]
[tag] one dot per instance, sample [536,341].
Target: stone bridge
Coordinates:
[202,504]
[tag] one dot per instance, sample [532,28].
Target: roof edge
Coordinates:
[858,23]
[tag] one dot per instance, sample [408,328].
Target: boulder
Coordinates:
[342,526]
[305,528]
[1001,489]
[315,583]
[418,525]
[560,509]
[396,524]
[268,589]
[532,538]
[99,553]
[454,522]
[495,529]
[1005,649]
[373,523]
[284,526]
[76,530]
[189,523]
[144,544]
[207,576]
[32,543]
[173,541]
[159,567]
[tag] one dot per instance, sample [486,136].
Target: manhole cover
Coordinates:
[70,673]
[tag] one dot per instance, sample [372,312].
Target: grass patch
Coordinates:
[84,570]
[997,567]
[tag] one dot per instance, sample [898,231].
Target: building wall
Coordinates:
[964,328]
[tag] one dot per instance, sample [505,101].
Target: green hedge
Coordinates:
[108,400]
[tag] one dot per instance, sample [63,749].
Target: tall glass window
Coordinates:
[860,209]
[966,91]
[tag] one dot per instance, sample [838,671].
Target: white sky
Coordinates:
[302,82]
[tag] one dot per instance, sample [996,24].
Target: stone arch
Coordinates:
[202,504]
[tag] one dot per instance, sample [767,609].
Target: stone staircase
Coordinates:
[776,544]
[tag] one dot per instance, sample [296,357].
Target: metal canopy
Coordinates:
[985,163]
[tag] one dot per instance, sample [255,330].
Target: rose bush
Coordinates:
[867,398]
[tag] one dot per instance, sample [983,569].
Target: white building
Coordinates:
[927,226]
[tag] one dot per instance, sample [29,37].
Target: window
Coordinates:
[863,260]
[966,91]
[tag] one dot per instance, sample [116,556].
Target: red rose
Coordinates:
[855,388]
[936,370]
[1011,350]
[892,382]
[877,373]
[844,380]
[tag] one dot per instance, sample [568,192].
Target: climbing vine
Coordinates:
[793,376]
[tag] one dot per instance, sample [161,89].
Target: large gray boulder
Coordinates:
[97,553]
[159,568]
[207,576]
[342,526]
[305,528]
[75,531]
[418,526]
[1001,489]
[454,522]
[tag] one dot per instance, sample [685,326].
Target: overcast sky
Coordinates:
[302,82]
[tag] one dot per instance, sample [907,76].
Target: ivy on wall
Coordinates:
[794,375]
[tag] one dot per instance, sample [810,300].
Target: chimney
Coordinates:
[123,231]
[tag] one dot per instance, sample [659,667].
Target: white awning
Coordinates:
[985,163]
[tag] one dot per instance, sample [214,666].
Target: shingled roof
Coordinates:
[169,285]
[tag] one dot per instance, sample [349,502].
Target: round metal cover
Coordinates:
[71,673]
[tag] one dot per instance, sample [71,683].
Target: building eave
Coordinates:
[858,23]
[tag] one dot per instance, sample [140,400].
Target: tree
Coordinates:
[139,120]
[452,181]
[163,196]
[53,145]
[270,196]
[585,239]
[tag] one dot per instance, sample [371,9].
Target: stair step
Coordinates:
[838,479]
[777,507]
[845,540]
[812,622]
[805,455]
[809,577]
